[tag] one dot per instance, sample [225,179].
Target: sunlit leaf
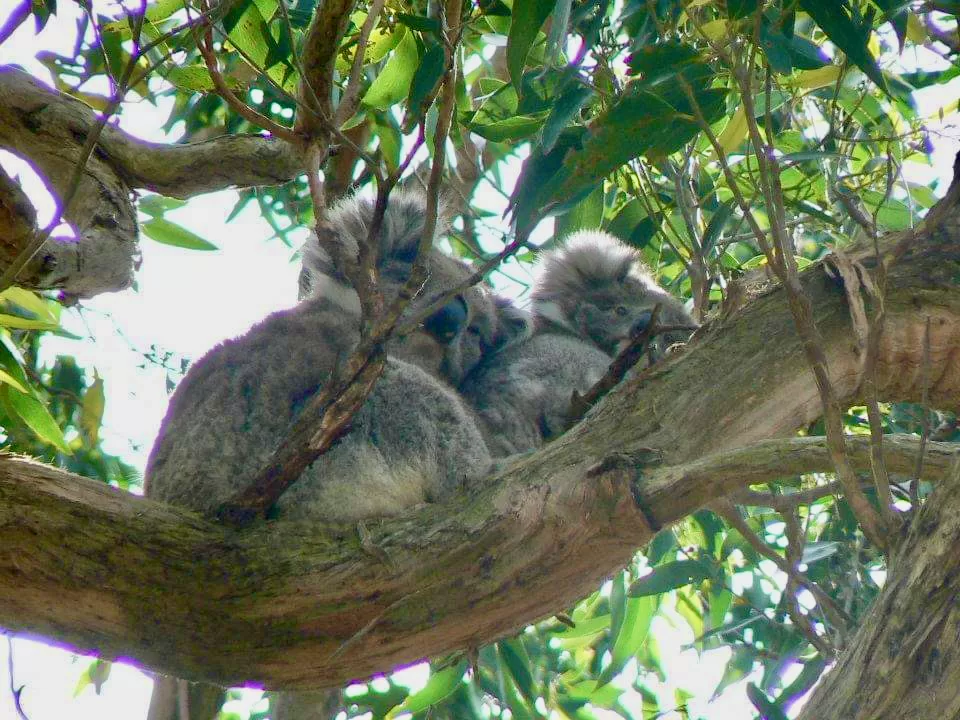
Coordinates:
[91,410]
[441,684]
[36,417]
[392,83]
[528,17]
[169,233]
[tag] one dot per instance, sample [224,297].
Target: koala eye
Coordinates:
[621,310]
[447,322]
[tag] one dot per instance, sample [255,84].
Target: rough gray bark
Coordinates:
[905,661]
[49,129]
[297,606]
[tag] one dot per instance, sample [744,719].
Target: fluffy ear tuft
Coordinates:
[348,223]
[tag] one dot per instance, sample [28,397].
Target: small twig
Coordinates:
[837,616]
[205,46]
[626,359]
[785,503]
[519,242]
[925,421]
[350,100]
[15,691]
[794,553]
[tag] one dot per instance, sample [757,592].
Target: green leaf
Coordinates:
[768,709]
[248,31]
[716,225]
[424,82]
[421,23]
[631,636]
[21,323]
[9,379]
[91,410]
[641,123]
[38,306]
[669,576]
[514,128]
[192,78]
[36,417]
[807,55]
[565,108]
[528,17]
[585,215]
[158,204]
[515,657]
[741,8]
[169,233]
[441,684]
[392,84]
[848,34]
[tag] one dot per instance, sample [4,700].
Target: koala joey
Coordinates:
[413,440]
[592,295]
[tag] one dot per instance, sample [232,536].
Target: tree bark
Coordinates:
[49,129]
[298,606]
[905,662]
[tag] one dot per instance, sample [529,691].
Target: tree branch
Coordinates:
[299,605]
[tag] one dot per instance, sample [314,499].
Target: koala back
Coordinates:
[412,441]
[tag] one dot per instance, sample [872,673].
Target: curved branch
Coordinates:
[297,605]
[50,129]
[32,112]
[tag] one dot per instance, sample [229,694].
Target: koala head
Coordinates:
[598,288]
[452,340]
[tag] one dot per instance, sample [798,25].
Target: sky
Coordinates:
[215,295]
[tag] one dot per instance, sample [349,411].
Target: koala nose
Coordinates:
[641,323]
[447,322]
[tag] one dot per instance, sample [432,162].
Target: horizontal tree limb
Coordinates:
[299,605]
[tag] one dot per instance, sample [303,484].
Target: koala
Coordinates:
[592,295]
[413,441]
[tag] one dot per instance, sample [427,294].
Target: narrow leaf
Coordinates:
[37,418]
[169,233]
[441,684]
[669,576]
[528,17]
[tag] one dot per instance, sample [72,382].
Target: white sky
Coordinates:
[187,301]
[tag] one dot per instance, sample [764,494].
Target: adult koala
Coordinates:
[592,295]
[413,441]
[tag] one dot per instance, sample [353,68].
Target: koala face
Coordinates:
[599,289]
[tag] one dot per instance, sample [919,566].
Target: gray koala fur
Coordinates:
[413,441]
[591,295]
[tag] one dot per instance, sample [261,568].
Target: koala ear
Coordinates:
[513,323]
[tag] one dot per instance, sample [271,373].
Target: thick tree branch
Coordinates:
[904,662]
[298,605]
